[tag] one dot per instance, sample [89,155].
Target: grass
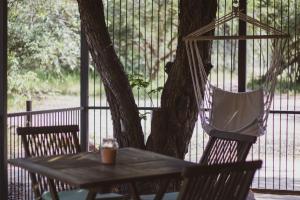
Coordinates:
[38,86]
[282,86]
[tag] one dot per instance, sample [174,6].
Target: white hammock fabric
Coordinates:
[244,113]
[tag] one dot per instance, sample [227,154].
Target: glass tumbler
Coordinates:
[109,151]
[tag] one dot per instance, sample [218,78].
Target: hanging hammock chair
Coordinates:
[222,111]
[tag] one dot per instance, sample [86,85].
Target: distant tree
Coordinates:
[45,40]
[275,13]
[138,29]
[43,36]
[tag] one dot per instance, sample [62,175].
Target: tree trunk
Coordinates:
[173,124]
[125,115]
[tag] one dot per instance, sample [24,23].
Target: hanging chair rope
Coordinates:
[211,101]
[204,90]
[270,81]
[270,31]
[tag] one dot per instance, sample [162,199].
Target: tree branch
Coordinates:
[125,115]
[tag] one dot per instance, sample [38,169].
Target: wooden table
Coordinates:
[85,170]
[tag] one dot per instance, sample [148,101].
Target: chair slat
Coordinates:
[223,149]
[47,141]
[218,181]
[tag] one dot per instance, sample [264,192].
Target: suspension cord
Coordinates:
[235,6]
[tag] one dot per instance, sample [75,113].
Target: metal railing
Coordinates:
[149,29]
[279,173]
[148,44]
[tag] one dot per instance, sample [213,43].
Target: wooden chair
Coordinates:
[215,182]
[222,148]
[226,147]
[48,141]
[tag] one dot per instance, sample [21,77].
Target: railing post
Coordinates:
[28,109]
[84,92]
[3,101]
[242,50]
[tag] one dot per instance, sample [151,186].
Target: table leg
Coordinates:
[134,192]
[162,189]
[91,195]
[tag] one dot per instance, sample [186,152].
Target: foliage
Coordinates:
[24,84]
[144,33]
[43,46]
[284,85]
[44,40]
[137,81]
[284,15]
[43,35]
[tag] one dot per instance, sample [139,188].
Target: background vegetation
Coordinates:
[44,44]
[43,48]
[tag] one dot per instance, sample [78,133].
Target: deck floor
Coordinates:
[275,197]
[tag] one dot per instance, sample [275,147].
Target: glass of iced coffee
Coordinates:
[108,151]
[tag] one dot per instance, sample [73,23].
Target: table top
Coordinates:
[85,170]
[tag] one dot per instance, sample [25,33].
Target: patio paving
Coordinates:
[275,197]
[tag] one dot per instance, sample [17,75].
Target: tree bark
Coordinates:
[173,124]
[124,111]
